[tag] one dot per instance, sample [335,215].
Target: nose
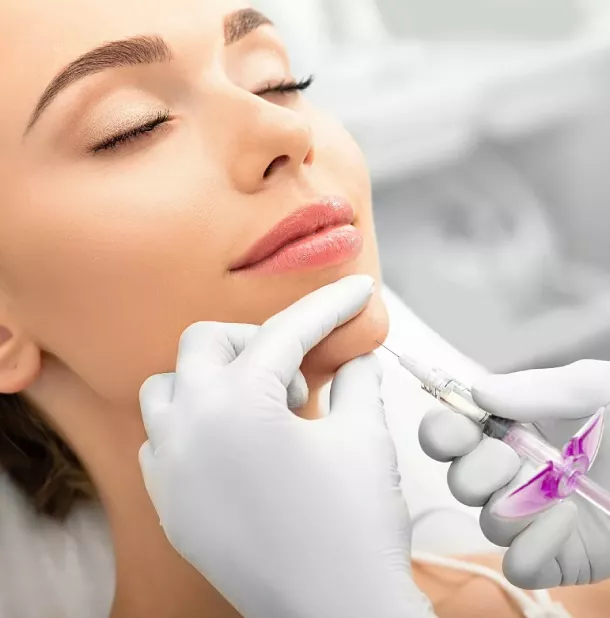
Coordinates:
[269,142]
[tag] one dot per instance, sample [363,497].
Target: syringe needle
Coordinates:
[420,371]
[388,349]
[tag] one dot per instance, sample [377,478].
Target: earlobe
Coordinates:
[19,362]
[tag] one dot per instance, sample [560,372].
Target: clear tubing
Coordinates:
[593,493]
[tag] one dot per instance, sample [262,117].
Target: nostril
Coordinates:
[275,164]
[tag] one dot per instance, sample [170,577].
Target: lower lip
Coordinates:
[329,247]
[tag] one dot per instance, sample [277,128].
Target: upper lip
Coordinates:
[329,212]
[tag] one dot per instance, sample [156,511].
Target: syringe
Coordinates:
[560,473]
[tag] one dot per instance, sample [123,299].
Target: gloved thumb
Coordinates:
[155,398]
[356,390]
[571,392]
[152,475]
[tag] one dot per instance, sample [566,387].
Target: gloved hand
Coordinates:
[570,543]
[285,517]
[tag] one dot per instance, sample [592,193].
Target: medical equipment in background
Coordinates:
[559,475]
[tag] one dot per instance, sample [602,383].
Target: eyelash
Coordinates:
[114,142]
[287,86]
[284,87]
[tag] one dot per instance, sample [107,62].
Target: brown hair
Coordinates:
[39,461]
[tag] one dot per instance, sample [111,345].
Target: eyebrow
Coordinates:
[139,50]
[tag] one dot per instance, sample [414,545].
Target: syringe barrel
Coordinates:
[525,442]
[457,397]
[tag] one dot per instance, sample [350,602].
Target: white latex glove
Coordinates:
[568,544]
[285,517]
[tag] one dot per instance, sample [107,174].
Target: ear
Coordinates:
[19,358]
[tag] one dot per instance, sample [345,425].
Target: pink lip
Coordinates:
[318,235]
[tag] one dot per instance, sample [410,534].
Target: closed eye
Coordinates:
[133,134]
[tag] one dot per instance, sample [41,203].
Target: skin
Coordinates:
[105,259]
[461,595]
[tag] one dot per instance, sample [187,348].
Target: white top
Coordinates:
[51,570]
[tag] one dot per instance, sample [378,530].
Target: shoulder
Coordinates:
[49,568]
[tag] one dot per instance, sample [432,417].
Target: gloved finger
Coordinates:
[297,391]
[571,392]
[155,396]
[445,435]
[157,393]
[499,530]
[356,389]
[531,560]
[475,477]
[282,341]
[205,346]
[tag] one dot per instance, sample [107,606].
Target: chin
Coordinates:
[347,342]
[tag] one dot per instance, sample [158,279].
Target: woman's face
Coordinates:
[109,251]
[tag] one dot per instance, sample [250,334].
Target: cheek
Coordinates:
[340,158]
[340,164]
[96,281]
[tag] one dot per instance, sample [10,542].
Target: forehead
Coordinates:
[38,37]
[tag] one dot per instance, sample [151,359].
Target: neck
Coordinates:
[151,578]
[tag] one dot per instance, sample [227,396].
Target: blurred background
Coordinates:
[486,125]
